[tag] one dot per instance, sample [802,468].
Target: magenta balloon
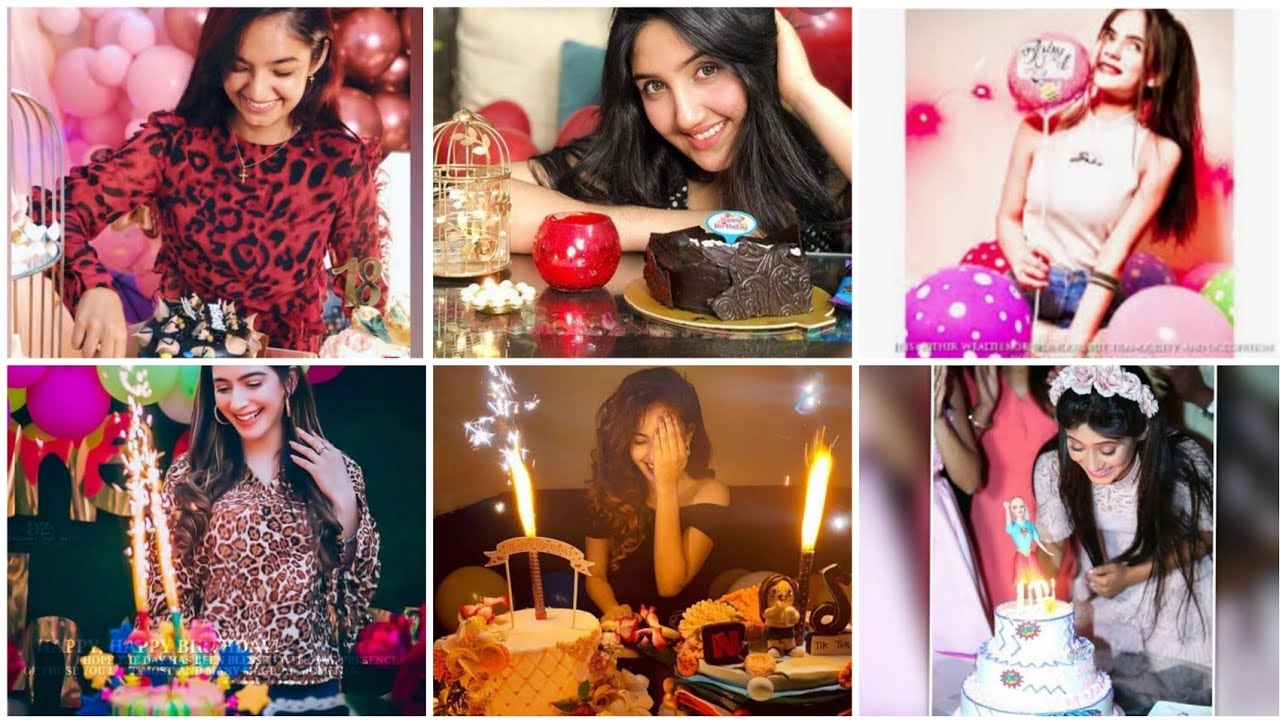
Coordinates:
[109,65]
[137,33]
[69,402]
[1197,277]
[77,92]
[21,376]
[967,311]
[323,373]
[59,21]
[157,78]
[1168,321]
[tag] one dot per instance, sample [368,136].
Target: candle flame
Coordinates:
[142,473]
[523,485]
[815,494]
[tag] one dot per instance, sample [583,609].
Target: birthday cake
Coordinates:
[194,697]
[192,328]
[30,245]
[372,334]
[698,271]
[1036,665]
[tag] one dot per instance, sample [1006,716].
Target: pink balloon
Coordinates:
[69,402]
[156,14]
[109,65]
[76,150]
[967,311]
[1168,321]
[137,33]
[323,373]
[107,30]
[157,78]
[21,376]
[105,129]
[183,25]
[59,21]
[94,13]
[1196,278]
[77,92]
[1047,72]
[120,249]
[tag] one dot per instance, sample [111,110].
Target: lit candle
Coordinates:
[523,486]
[815,499]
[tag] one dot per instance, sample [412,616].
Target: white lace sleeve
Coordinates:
[1051,516]
[1182,494]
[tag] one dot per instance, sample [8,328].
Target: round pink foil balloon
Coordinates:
[69,402]
[59,21]
[1047,72]
[967,311]
[1197,277]
[157,78]
[77,92]
[109,65]
[1168,321]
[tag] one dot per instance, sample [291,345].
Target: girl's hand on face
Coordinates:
[670,454]
[1109,580]
[795,77]
[1031,267]
[327,465]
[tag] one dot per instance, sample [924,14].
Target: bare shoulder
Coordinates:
[711,492]
[1161,155]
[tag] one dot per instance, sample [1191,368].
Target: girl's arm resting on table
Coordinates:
[1159,162]
[530,203]
[598,587]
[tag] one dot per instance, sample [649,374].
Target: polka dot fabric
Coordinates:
[967,312]
[987,255]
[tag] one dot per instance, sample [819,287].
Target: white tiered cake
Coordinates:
[1036,665]
[548,660]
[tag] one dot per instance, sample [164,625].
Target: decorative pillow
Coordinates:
[581,67]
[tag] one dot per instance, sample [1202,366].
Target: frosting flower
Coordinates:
[686,663]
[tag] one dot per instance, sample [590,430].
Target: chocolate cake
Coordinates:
[191,328]
[695,270]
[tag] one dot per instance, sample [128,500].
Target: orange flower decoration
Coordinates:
[846,675]
[686,663]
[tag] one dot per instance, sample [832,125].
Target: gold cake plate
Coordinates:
[822,313]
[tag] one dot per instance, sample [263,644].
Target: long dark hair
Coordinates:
[617,489]
[1170,107]
[1163,527]
[204,102]
[217,463]
[778,171]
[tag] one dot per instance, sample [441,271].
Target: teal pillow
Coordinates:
[581,67]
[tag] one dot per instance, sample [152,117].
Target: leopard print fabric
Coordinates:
[256,576]
[261,242]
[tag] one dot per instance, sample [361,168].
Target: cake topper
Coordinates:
[1029,579]
[780,616]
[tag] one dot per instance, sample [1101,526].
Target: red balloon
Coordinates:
[827,36]
[359,113]
[410,26]
[519,146]
[396,78]
[506,114]
[368,41]
[183,24]
[988,255]
[581,123]
[397,118]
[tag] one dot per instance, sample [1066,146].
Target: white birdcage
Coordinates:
[471,198]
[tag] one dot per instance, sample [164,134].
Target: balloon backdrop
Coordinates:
[1221,291]
[161,380]
[827,36]
[69,402]
[112,67]
[967,312]
[1143,270]
[462,587]
[1168,321]
[21,376]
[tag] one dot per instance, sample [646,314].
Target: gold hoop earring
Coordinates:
[217,417]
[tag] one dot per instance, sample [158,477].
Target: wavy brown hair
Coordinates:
[617,489]
[217,463]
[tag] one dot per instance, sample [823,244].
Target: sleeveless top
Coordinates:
[1080,183]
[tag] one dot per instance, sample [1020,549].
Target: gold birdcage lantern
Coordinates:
[471,198]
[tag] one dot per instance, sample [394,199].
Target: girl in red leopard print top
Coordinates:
[272,535]
[253,181]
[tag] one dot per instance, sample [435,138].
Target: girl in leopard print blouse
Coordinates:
[272,535]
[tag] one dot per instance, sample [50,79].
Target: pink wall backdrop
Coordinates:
[954,176]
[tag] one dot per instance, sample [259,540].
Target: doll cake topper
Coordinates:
[780,616]
[1028,577]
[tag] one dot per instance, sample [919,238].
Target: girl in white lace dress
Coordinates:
[1137,497]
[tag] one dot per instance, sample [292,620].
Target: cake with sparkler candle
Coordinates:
[1035,664]
[168,666]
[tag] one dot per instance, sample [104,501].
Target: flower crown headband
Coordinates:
[1107,381]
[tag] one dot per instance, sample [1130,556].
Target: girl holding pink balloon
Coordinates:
[254,180]
[1117,162]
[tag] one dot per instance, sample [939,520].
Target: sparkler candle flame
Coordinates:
[815,500]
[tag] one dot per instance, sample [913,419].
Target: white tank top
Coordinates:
[1088,173]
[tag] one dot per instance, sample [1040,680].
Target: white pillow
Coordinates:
[514,54]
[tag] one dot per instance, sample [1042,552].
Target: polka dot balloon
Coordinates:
[1143,270]
[988,255]
[1221,291]
[967,312]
